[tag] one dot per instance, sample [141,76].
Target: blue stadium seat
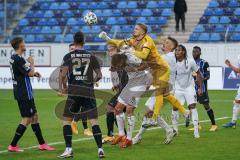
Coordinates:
[56,29]
[29,14]
[215,37]
[208,12]
[220,28]
[52,22]
[92,5]
[54,6]
[213,4]
[203,37]
[166,12]
[237,29]
[161,20]
[152,4]
[233,4]
[170,4]
[23,22]
[115,28]
[46,29]
[127,29]
[111,21]
[29,38]
[219,12]
[136,12]
[199,29]
[64,6]
[132,4]
[146,12]
[224,20]
[203,20]
[117,12]
[39,14]
[96,29]
[48,14]
[68,38]
[74,29]
[237,12]
[107,12]
[36,30]
[44,6]
[99,13]
[162,4]
[68,13]
[26,29]
[142,20]
[103,5]
[153,35]
[213,20]
[235,37]
[72,22]
[122,5]
[58,38]
[141,4]
[86,29]
[121,20]
[40,38]
[81,21]
[230,28]
[228,11]
[235,20]
[83,5]
[193,37]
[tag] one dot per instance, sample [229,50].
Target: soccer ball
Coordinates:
[90,18]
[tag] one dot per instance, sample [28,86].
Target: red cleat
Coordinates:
[14,149]
[126,143]
[118,139]
[45,147]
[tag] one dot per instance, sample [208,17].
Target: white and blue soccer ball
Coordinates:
[90,18]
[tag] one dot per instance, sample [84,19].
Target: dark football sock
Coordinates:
[110,123]
[211,116]
[84,123]
[97,135]
[67,133]
[19,133]
[37,130]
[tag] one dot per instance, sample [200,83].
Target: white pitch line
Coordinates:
[90,138]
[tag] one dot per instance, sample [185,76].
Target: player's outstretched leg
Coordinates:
[211,116]
[137,139]
[67,133]
[13,147]
[37,130]
[236,111]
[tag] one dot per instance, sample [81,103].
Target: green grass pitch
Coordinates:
[220,145]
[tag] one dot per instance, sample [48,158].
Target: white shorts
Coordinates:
[238,94]
[188,95]
[151,102]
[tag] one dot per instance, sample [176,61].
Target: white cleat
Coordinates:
[137,139]
[101,153]
[196,134]
[169,136]
[68,153]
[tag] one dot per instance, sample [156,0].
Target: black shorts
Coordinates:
[81,107]
[203,99]
[27,108]
[114,100]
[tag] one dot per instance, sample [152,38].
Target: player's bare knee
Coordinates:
[175,109]
[130,110]
[26,121]
[192,106]
[237,101]
[149,114]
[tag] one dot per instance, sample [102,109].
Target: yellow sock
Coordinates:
[175,103]
[159,104]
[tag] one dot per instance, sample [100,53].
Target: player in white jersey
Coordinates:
[236,102]
[168,48]
[185,86]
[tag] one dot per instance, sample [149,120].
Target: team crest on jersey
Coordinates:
[26,66]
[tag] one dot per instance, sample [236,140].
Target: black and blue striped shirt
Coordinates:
[205,71]
[22,87]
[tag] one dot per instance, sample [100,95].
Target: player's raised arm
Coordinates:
[233,67]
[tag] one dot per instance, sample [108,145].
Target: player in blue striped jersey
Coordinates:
[205,71]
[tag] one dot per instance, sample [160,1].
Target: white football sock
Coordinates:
[236,110]
[120,121]
[131,124]
[143,127]
[195,119]
[163,124]
[175,119]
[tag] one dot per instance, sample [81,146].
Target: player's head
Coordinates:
[140,29]
[18,45]
[71,47]
[79,39]
[169,45]
[181,52]
[112,49]
[196,52]
[118,62]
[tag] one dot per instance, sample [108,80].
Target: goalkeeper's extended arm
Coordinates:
[117,42]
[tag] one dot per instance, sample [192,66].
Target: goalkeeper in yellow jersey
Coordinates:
[146,49]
